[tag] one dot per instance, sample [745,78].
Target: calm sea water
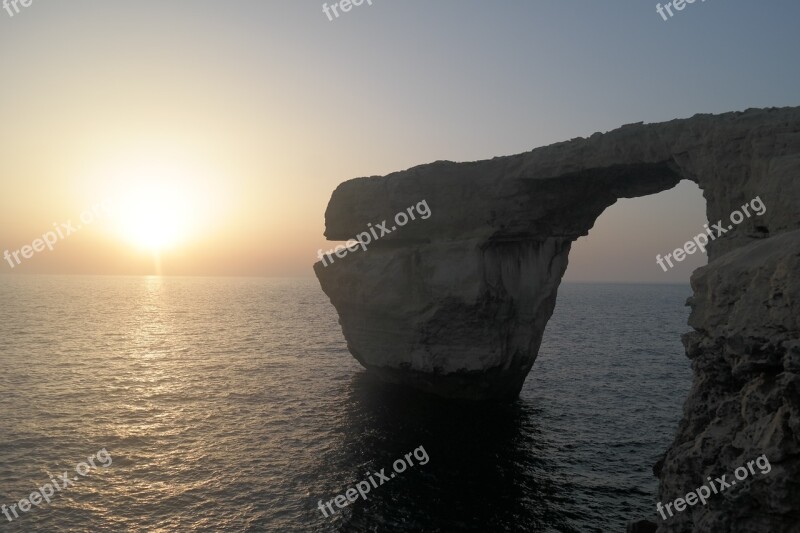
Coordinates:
[233,405]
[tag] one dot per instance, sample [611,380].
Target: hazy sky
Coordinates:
[219,129]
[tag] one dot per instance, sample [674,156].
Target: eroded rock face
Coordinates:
[745,399]
[456,304]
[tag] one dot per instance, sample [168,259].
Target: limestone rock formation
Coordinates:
[745,398]
[456,304]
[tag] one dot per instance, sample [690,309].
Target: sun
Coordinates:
[164,202]
[154,216]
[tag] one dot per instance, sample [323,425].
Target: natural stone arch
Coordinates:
[456,305]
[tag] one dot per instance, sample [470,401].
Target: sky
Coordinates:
[215,132]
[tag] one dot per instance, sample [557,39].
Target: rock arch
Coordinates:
[456,304]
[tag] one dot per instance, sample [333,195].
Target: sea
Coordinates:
[232,404]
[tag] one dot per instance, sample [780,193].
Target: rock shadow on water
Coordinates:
[488,467]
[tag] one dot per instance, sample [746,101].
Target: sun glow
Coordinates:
[154,203]
[154,217]
[165,203]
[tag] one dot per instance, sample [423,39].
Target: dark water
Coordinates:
[233,405]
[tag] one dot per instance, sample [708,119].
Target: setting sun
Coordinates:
[154,217]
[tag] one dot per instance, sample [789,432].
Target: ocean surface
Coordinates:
[232,404]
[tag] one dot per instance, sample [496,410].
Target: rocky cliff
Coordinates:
[456,304]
